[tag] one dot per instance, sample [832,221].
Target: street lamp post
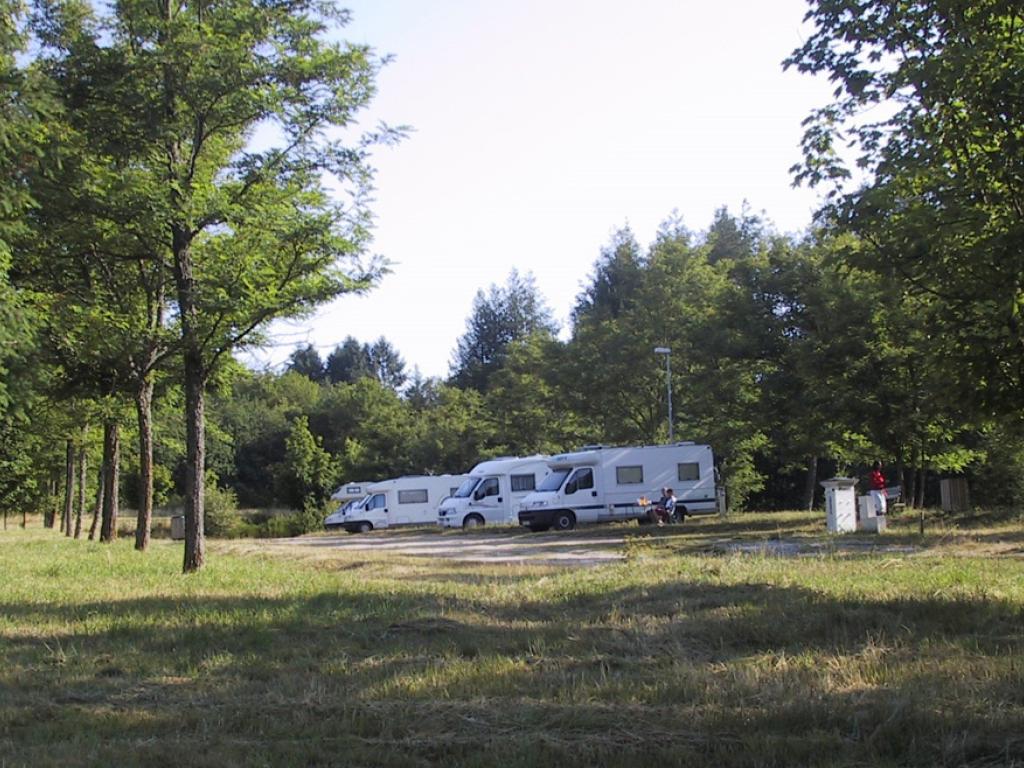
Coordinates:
[668,376]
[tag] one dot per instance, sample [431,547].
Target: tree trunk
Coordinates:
[195,405]
[911,489]
[811,483]
[144,409]
[98,506]
[195,442]
[82,468]
[921,475]
[50,512]
[69,488]
[111,462]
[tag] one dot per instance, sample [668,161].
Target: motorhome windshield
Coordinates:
[466,489]
[553,481]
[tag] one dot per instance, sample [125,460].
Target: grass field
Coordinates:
[686,652]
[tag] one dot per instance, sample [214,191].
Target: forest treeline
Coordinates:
[144,244]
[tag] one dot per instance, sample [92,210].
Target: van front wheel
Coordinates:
[564,521]
[473,521]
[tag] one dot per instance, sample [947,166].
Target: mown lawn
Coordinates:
[685,653]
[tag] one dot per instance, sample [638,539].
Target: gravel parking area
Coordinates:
[568,548]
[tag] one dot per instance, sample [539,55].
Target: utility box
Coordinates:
[178,527]
[868,518]
[953,491]
[840,504]
[865,510]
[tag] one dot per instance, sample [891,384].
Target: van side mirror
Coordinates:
[571,487]
[477,495]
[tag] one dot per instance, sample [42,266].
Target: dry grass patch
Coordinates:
[677,655]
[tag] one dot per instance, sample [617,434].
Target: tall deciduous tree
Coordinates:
[251,234]
[943,205]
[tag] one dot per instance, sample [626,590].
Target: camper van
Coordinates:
[348,495]
[410,500]
[602,484]
[492,491]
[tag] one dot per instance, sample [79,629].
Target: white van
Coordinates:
[602,484]
[492,491]
[411,500]
[348,495]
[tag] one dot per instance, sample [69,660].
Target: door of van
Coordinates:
[375,510]
[489,499]
[583,495]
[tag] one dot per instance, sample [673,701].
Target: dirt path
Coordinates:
[500,547]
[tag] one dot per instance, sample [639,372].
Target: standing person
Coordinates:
[876,480]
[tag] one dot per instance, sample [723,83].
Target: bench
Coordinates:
[894,498]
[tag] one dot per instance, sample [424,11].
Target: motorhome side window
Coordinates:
[581,480]
[629,475]
[417,496]
[523,482]
[488,487]
[689,473]
[376,502]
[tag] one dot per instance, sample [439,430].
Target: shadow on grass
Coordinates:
[742,675]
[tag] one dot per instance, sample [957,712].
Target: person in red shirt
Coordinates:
[876,480]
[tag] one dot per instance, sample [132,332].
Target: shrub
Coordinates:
[222,519]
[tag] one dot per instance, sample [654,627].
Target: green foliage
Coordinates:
[498,319]
[222,518]
[524,402]
[999,479]
[306,361]
[312,470]
[348,362]
[941,208]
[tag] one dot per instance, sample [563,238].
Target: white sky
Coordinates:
[540,127]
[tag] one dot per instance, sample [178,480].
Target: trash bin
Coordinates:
[840,504]
[178,527]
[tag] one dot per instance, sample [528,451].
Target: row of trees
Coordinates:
[144,238]
[150,233]
[786,359]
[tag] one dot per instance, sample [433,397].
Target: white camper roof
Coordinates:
[413,480]
[595,454]
[349,491]
[505,464]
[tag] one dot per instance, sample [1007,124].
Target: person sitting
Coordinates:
[665,507]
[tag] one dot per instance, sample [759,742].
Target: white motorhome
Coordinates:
[348,495]
[492,491]
[603,484]
[410,500]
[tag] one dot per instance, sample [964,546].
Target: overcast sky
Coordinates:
[539,128]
